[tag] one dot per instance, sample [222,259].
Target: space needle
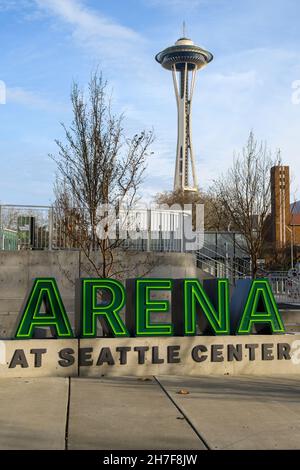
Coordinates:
[183,60]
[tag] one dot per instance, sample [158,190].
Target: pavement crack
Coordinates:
[68,415]
[204,442]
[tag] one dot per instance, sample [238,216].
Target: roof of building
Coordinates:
[295,219]
[295,207]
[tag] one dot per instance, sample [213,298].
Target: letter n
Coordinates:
[204,306]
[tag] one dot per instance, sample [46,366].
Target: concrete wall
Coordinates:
[17,269]
[198,355]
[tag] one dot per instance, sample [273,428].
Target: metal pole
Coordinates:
[292,249]
[216,251]
[1,230]
[234,258]
[226,260]
[182,233]
[50,228]
[148,230]
[292,245]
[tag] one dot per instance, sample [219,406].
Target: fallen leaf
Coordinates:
[183,392]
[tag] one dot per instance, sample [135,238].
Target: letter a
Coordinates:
[44,291]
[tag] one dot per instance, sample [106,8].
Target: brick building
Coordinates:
[285,216]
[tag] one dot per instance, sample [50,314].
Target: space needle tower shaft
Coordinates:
[184,59]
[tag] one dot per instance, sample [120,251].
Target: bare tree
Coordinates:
[213,214]
[98,171]
[245,195]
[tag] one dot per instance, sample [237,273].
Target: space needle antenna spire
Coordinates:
[184,59]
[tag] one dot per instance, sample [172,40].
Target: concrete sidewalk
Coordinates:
[132,413]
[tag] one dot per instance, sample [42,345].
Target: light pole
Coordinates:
[292,245]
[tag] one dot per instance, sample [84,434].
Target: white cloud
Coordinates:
[103,38]
[242,89]
[30,99]
[177,3]
[7,5]
[87,23]
[236,78]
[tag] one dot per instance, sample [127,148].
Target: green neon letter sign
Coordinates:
[108,313]
[260,308]
[140,305]
[195,299]
[145,306]
[44,291]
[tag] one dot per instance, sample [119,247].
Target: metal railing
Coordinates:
[227,262]
[39,228]
[29,225]
[42,228]
[285,287]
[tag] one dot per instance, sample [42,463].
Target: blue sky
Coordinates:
[46,44]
